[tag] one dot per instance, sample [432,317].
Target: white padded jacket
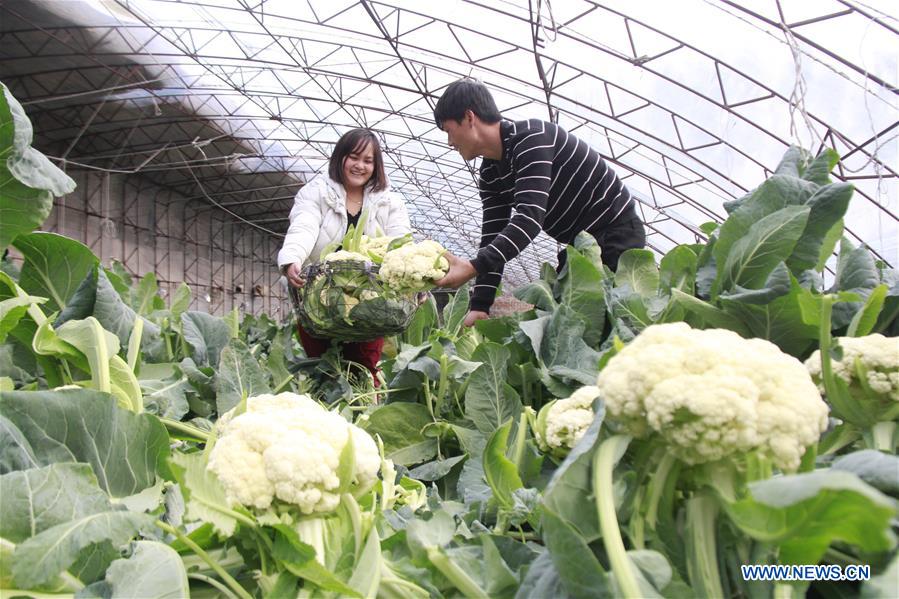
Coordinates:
[318,217]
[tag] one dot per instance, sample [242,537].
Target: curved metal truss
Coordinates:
[237,102]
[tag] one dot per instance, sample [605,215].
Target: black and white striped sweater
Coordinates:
[547,179]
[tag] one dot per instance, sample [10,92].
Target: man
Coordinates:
[534,176]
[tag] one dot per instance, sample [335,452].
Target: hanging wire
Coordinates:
[800,89]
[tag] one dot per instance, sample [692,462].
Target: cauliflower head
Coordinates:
[345,256]
[376,247]
[870,368]
[710,394]
[414,267]
[287,447]
[561,423]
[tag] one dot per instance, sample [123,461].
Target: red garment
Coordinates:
[367,353]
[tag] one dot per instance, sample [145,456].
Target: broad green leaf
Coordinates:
[805,513]
[166,397]
[455,310]
[180,301]
[239,375]
[489,399]
[498,575]
[203,493]
[542,580]
[42,557]
[819,169]
[54,267]
[878,469]
[677,270]
[143,294]
[298,558]
[793,162]
[125,450]
[97,344]
[564,354]
[425,319]
[40,498]
[864,320]
[472,486]
[438,531]
[537,293]
[152,571]
[637,269]
[828,244]
[435,470]
[15,450]
[81,303]
[827,208]
[856,273]
[28,181]
[207,336]
[767,243]
[572,482]
[580,572]
[13,309]
[706,315]
[118,317]
[629,307]
[777,285]
[534,330]
[501,473]
[782,321]
[581,289]
[367,569]
[400,427]
[777,192]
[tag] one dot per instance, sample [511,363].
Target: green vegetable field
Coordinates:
[643,433]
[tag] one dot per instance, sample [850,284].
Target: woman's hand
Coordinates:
[294,276]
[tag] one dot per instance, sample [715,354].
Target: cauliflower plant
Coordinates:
[288,447]
[414,267]
[710,394]
[869,366]
[561,423]
[868,394]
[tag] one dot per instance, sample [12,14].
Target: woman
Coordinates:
[322,213]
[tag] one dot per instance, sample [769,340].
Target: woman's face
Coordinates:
[358,167]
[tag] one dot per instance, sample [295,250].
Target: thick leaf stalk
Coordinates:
[604,461]
[705,578]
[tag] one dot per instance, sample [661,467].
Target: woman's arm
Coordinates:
[305,225]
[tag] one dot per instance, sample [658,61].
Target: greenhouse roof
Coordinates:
[238,102]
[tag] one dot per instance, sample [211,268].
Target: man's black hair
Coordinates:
[466,94]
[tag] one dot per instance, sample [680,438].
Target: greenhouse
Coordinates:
[394,299]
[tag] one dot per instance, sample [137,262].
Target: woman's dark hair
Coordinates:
[466,94]
[353,141]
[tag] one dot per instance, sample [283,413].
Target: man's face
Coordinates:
[459,136]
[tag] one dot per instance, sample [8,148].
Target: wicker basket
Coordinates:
[346,301]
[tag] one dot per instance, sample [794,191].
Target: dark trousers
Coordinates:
[624,234]
[367,353]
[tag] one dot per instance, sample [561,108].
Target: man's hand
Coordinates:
[473,316]
[460,272]
[293,275]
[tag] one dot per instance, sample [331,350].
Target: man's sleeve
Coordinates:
[532,162]
[497,208]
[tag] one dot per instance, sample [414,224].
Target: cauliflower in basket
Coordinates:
[414,267]
[288,447]
[711,394]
